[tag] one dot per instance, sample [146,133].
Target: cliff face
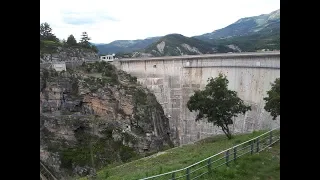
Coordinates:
[94,116]
[69,54]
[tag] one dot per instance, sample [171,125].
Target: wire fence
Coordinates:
[225,157]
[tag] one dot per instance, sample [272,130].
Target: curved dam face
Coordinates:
[174,79]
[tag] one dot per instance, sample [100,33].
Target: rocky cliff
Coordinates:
[69,54]
[94,116]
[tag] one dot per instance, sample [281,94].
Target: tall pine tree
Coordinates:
[71,41]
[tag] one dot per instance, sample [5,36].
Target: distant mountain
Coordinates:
[245,26]
[262,40]
[125,45]
[245,35]
[249,34]
[177,44]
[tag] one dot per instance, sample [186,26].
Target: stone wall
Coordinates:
[69,64]
[174,79]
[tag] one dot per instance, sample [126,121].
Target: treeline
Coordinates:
[49,43]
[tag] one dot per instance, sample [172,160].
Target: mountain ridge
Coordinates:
[247,34]
[243,26]
[177,44]
[125,45]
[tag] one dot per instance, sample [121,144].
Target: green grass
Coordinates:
[262,166]
[248,167]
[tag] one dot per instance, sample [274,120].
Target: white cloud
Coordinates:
[106,21]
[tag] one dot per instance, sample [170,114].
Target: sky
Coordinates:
[109,20]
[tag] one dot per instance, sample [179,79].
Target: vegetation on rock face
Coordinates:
[50,44]
[89,150]
[108,74]
[217,103]
[103,149]
[273,100]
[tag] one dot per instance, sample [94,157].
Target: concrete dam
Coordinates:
[174,79]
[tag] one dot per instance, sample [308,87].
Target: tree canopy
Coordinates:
[85,39]
[273,99]
[217,104]
[46,33]
[50,44]
[71,41]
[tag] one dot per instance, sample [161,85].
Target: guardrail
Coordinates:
[232,66]
[87,61]
[45,174]
[225,157]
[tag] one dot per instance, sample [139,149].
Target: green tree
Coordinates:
[63,42]
[85,40]
[94,48]
[217,103]
[49,43]
[71,41]
[273,100]
[46,33]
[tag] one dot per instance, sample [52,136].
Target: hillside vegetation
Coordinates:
[54,49]
[264,165]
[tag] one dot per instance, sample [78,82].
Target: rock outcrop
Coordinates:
[70,54]
[94,116]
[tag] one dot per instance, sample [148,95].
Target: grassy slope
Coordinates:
[183,156]
[262,166]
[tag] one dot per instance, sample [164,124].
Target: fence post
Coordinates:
[270,140]
[234,153]
[252,146]
[209,165]
[188,174]
[257,144]
[227,157]
[173,176]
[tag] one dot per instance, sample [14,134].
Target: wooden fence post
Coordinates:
[227,158]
